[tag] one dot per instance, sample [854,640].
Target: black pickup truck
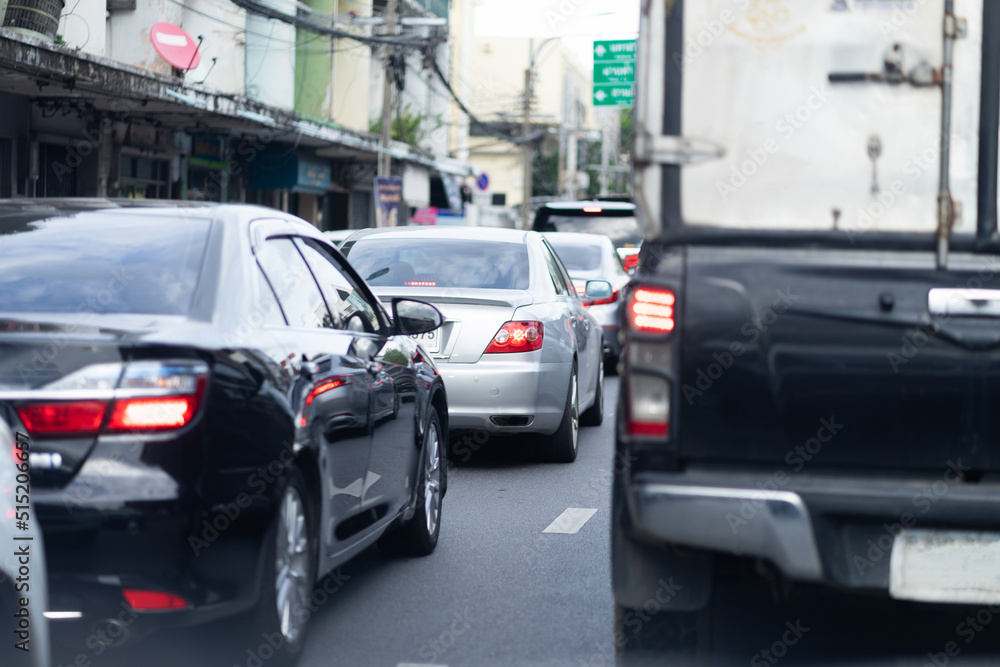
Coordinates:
[810,382]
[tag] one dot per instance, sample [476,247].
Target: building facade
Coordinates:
[274,108]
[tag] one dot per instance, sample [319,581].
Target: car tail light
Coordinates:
[631,261]
[420,283]
[649,406]
[137,396]
[71,417]
[152,413]
[652,310]
[516,337]
[592,209]
[153,600]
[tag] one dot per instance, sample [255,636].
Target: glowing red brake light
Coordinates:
[592,209]
[58,418]
[152,413]
[138,396]
[153,600]
[652,310]
[420,283]
[516,337]
[631,261]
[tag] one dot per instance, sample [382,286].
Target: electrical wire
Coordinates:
[244,29]
[259,9]
[534,136]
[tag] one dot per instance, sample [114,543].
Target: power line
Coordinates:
[259,9]
[240,28]
[534,136]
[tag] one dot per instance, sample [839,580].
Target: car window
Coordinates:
[266,311]
[345,300]
[563,272]
[435,262]
[577,256]
[294,285]
[559,280]
[100,262]
[623,231]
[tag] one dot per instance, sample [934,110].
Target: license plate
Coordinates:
[430,340]
[945,566]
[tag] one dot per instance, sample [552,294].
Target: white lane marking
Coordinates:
[571,521]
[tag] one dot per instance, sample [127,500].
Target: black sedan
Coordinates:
[220,413]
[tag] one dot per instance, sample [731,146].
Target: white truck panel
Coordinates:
[756,83]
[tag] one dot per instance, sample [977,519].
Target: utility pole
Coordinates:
[527,153]
[384,160]
[605,157]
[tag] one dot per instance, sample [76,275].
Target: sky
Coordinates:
[582,21]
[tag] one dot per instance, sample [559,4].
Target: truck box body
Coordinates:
[812,340]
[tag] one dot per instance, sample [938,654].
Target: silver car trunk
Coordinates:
[473,317]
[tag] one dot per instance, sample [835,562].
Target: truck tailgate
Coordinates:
[833,358]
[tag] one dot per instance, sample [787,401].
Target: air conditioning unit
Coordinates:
[37,18]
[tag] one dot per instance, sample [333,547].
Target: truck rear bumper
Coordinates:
[827,526]
[710,518]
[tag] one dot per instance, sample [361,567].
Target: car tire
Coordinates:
[281,618]
[562,446]
[594,415]
[419,535]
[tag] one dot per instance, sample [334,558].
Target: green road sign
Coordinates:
[613,95]
[614,50]
[614,72]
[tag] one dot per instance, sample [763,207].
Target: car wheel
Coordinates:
[594,415]
[563,444]
[282,615]
[419,535]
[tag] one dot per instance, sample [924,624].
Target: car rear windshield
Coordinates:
[100,262]
[623,231]
[437,262]
[576,256]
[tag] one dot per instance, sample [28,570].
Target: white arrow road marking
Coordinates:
[571,521]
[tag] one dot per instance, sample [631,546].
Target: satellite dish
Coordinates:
[175,46]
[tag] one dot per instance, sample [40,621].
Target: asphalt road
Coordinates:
[501,591]
[498,590]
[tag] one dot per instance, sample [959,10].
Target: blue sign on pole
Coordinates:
[482,181]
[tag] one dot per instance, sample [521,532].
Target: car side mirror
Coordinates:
[597,290]
[413,317]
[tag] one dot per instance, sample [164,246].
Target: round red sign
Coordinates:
[175,46]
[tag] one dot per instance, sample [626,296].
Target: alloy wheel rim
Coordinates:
[432,479]
[292,565]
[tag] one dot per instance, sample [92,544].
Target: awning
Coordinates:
[280,170]
[37,69]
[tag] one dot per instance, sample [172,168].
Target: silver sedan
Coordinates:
[518,352]
[590,257]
